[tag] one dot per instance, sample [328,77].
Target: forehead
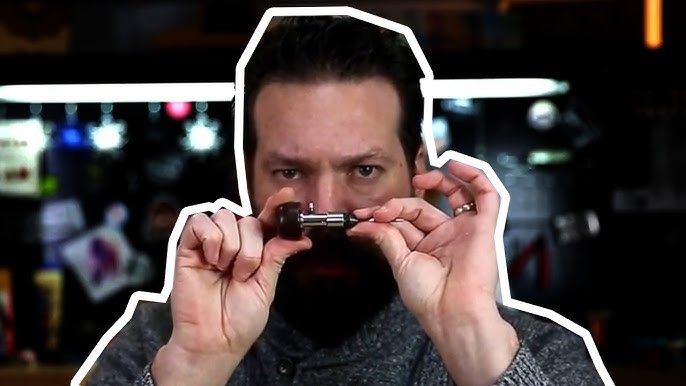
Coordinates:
[338,115]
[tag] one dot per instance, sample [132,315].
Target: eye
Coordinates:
[366,170]
[289,174]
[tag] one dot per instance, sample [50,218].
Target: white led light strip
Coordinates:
[225,91]
[493,88]
[118,93]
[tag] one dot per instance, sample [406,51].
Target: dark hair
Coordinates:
[317,48]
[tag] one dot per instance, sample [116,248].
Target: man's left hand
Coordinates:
[446,269]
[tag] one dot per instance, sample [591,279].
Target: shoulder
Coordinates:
[143,332]
[151,321]
[153,312]
[539,332]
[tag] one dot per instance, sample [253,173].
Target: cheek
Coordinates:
[366,201]
[381,193]
[261,188]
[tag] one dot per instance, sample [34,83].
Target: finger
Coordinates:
[410,233]
[366,213]
[225,220]
[387,237]
[420,213]
[268,214]
[274,256]
[455,191]
[201,233]
[486,197]
[249,256]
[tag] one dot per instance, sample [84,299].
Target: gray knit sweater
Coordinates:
[391,349]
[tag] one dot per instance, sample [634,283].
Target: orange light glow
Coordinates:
[653,23]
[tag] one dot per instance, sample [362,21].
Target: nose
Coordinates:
[326,193]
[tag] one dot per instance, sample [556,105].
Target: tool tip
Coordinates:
[350,221]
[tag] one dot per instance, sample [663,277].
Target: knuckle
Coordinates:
[251,244]
[437,172]
[251,225]
[249,220]
[230,246]
[250,256]
[394,202]
[211,233]
[214,236]
[381,236]
[223,215]
[206,230]
[197,218]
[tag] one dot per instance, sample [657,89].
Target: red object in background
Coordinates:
[538,250]
[178,110]
[7,326]
[17,174]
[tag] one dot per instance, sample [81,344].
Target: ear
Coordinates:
[420,168]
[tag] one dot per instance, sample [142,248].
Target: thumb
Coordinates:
[387,237]
[274,256]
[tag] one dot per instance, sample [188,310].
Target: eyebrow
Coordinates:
[276,157]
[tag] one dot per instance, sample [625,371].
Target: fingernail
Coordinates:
[364,212]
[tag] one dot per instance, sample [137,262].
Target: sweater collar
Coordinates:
[383,329]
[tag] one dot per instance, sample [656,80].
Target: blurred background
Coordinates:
[90,188]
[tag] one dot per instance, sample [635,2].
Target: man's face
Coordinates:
[336,143]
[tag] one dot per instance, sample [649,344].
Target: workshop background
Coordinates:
[595,169]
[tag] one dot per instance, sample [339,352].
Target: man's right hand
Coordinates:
[224,283]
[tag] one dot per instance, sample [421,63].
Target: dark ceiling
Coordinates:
[200,40]
[147,25]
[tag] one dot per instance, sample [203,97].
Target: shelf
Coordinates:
[36,375]
[639,376]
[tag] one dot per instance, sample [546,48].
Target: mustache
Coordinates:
[336,245]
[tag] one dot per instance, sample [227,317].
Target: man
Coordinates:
[333,112]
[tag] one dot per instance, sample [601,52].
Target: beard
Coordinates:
[329,291]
